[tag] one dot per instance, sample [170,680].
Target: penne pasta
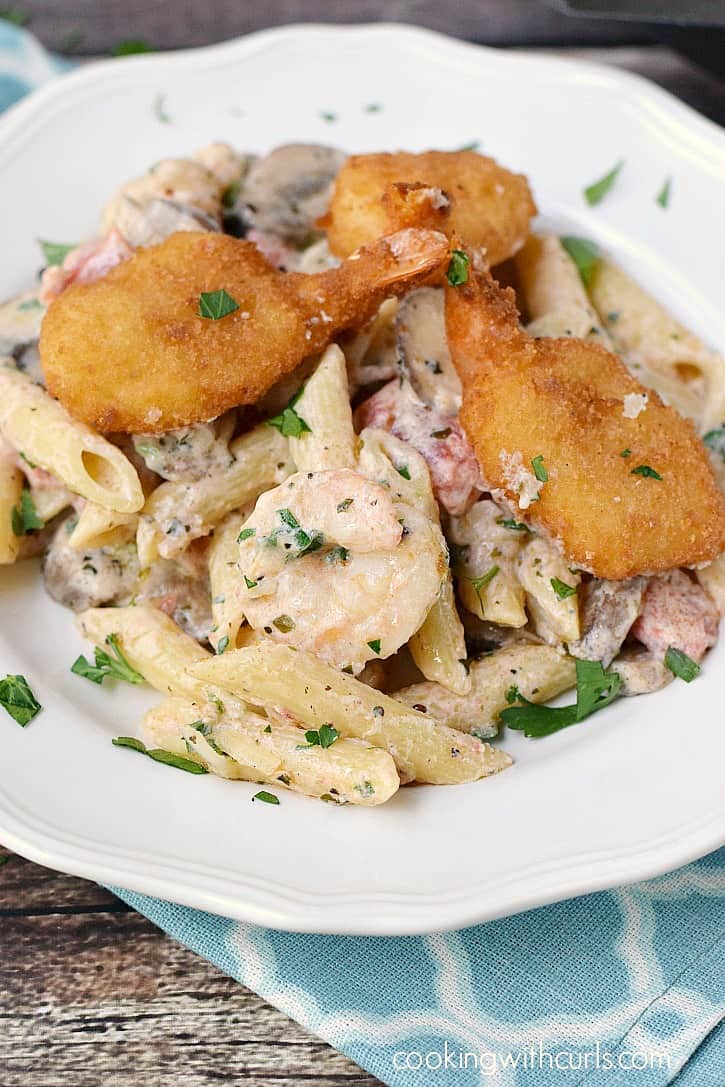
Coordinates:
[324,405]
[177,513]
[247,746]
[439,647]
[37,426]
[98,527]
[538,672]
[712,578]
[317,694]
[224,578]
[554,294]
[548,582]
[50,501]
[485,563]
[11,487]
[658,349]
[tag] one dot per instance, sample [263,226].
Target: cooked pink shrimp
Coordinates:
[438,438]
[677,612]
[85,264]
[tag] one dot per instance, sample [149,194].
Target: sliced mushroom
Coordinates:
[607,611]
[81,579]
[180,588]
[189,453]
[149,222]
[423,350]
[641,672]
[20,321]
[289,189]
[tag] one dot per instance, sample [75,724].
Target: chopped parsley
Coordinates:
[472,146]
[595,193]
[54,252]
[338,554]
[213,305]
[403,470]
[113,665]
[375,645]
[325,737]
[562,590]
[514,526]
[131,47]
[715,440]
[645,470]
[344,505]
[245,534]
[231,194]
[373,107]
[304,542]
[328,115]
[28,304]
[24,517]
[663,196]
[159,755]
[457,273]
[17,698]
[265,797]
[284,623]
[159,108]
[482,581]
[289,423]
[250,582]
[222,644]
[539,470]
[512,694]
[585,255]
[366,789]
[626,453]
[681,665]
[595,689]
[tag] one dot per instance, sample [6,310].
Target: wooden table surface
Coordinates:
[91,993]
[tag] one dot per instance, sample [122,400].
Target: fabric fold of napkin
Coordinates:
[618,989]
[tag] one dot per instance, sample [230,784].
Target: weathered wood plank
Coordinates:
[92,992]
[96,28]
[107,998]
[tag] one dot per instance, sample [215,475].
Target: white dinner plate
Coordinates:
[634,791]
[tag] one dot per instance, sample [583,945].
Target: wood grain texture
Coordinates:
[96,27]
[92,993]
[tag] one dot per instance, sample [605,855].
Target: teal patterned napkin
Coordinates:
[618,989]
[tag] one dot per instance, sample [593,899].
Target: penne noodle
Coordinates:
[37,426]
[177,513]
[554,294]
[541,567]
[712,578]
[658,349]
[247,746]
[485,564]
[538,672]
[224,578]
[11,487]
[50,501]
[317,694]
[325,407]
[100,527]
[439,647]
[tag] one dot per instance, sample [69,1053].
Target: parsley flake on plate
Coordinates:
[131,47]
[585,255]
[681,665]
[663,196]
[595,689]
[457,273]
[168,758]
[595,193]
[112,666]
[213,305]
[265,797]
[17,698]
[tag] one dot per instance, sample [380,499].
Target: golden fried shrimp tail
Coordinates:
[132,352]
[565,434]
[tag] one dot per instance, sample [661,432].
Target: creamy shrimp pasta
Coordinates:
[357,468]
